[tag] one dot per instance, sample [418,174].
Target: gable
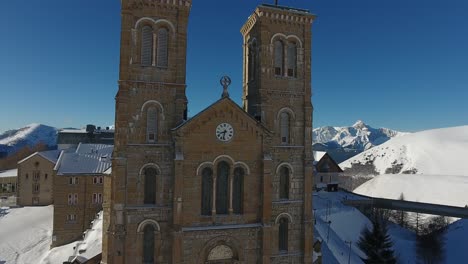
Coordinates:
[223,109]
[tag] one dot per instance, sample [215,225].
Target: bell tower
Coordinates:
[150,101]
[277,92]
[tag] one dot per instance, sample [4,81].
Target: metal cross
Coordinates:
[225,82]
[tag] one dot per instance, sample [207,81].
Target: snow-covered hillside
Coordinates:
[31,135]
[438,152]
[360,136]
[436,189]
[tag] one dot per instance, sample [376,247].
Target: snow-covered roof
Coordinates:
[86,159]
[9,173]
[318,155]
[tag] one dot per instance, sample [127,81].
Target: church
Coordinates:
[232,184]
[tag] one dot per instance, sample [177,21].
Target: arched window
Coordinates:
[146,46]
[150,186]
[162,48]
[283,234]
[222,188]
[148,244]
[152,124]
[292,59]
[207,191]
[284,127]
[238,190]
[279,53]
[284,183]
[252,60]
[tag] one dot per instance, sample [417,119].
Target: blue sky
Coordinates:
[399,64]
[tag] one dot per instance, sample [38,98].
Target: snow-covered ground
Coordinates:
[436,152]
[26,235]
[436,189]
[347,223]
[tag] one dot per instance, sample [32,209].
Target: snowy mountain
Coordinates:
[437,152]
[31,135]
[344,142]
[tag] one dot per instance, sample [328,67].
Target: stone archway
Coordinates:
[221,250]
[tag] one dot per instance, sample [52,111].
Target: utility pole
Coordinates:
[276,2]
[328,233]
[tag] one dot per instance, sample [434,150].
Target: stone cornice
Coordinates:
[285,15]
[139,4]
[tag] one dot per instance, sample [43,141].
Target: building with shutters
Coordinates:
[233,184]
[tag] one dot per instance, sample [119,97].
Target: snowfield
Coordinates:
[26,235]
[435,189]
[438,152]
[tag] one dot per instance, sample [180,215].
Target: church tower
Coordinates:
[277,92]
[151,100]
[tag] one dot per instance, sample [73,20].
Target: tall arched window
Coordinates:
[284,183]
[238,191]
[222,200]
[146,46]
[162,48]
[150,186]
[148,244]
[284,127]
[292,59]
[152,124]
[252,60]
[279,53]
[207,191]
[283,234]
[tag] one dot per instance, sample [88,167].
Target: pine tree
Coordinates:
[376,244]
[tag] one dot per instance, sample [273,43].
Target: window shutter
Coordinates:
[162,48]
[278,57]
[292,59]
[152,124]
[146,45]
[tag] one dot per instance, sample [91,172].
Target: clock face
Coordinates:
[224,132]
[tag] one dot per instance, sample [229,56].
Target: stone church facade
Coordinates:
[230,185]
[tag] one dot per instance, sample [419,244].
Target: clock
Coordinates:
[224,132]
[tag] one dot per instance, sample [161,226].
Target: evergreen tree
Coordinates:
[376,244]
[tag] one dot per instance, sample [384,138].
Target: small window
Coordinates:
[27,176]
[71,217]
[73,180]
[45,176]
[36,188]
[101,180]
[97,198]
[284,123]
[148,244]
[36,175]
[150,186]
[283,235]
[72,198]
[284,183]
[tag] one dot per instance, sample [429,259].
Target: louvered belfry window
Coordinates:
[284,126]
[279,53]
[162,49]
[284,183]
[152,124]
[146,46]
[292,59]
[207,191]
